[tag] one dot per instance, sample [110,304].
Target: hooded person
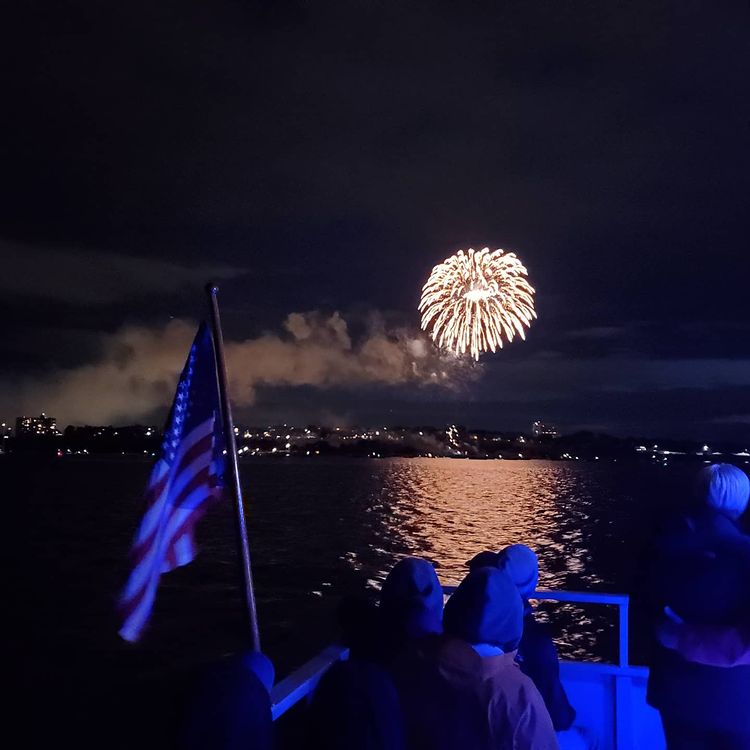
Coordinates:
[700,572]
[537,654]
[231,707]
[355,705]
[486,612]
[411,602]
[521,564]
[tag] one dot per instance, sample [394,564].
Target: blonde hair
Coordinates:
[724,488]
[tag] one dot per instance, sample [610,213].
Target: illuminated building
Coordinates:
[41,425]
[544,430]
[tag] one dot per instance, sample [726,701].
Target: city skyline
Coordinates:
[538,431]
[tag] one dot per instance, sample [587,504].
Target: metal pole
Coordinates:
[221,376]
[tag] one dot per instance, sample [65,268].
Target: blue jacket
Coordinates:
[538,659]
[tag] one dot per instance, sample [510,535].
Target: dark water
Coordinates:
[319,528]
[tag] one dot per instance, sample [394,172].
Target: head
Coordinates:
[485,559]
[412,598]
[486,608]
[724,488]
[521,565]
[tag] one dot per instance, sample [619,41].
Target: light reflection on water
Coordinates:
[448,510]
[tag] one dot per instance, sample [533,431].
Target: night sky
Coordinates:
[321,157]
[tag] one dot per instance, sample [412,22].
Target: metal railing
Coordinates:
[622,602]
[302,681]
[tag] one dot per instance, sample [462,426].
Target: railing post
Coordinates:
[624,623]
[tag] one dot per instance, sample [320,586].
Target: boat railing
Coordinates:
[300,683]
[621,601]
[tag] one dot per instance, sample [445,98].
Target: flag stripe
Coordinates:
[181,524]
[200,454]
[174,518]
[153,519]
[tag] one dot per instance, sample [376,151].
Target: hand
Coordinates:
[673,616]
[668,629]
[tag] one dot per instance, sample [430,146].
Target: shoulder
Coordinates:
[438,656]
[507,682]
[516,703]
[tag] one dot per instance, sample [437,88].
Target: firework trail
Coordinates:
[474,300]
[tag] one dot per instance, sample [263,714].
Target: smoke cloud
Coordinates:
[135,376]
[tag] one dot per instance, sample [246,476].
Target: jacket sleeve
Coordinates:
[543,666]
[713,645]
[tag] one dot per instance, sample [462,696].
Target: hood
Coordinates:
[521,565]
[412,597]
[486,608]
[485,559]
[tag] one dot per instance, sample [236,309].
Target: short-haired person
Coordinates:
[700,575]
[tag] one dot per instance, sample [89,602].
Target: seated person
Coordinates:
[486,611]
[231,708]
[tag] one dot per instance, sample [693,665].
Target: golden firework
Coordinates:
[474,300]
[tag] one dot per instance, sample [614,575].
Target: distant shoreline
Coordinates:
[452,441]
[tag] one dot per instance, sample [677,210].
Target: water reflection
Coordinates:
[448,510]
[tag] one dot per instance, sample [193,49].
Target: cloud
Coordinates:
[733,419]
[386,370]
[87,277]
[135,376]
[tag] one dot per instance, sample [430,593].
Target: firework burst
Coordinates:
[475,300]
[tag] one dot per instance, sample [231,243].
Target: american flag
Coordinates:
[186,479]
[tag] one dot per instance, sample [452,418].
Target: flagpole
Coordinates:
[212,290]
